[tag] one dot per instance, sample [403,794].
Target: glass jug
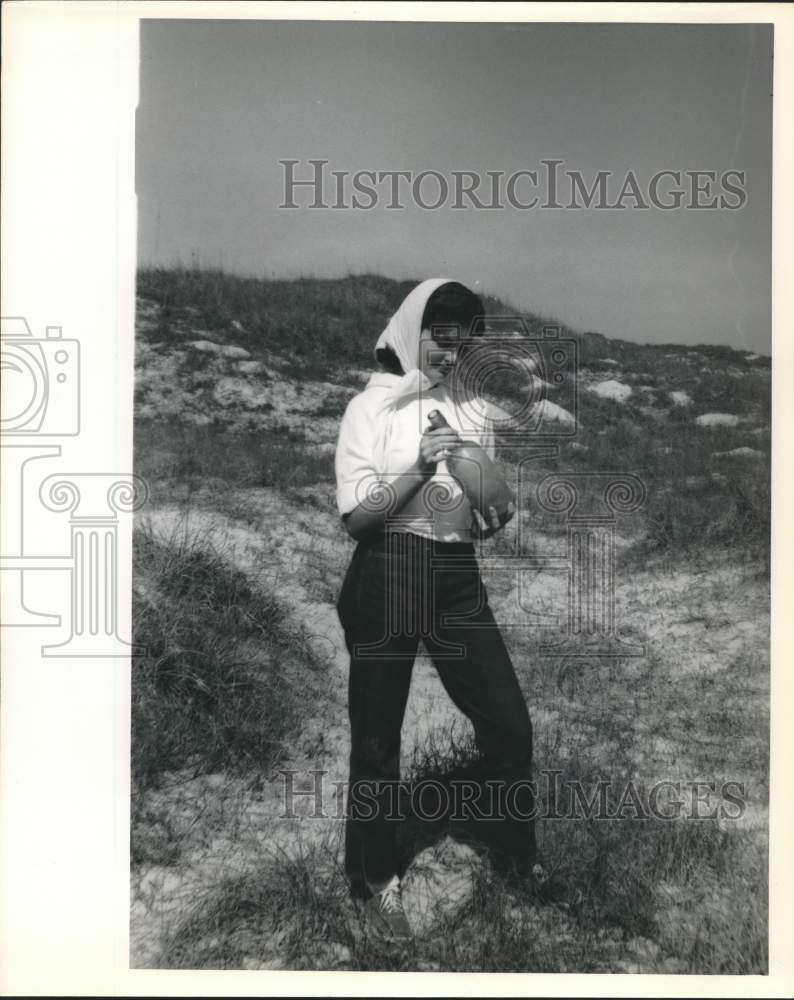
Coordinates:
[481,482]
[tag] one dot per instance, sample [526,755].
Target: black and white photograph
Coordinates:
[453,399]
[403,491]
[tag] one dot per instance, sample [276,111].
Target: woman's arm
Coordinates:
[362,522]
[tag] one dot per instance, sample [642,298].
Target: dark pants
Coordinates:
[399,588]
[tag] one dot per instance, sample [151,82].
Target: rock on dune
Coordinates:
[717,420]
[743,452]
[680,398]
[611,389]
[439,882]
[252,368]
[222,350]
[552,412]
[538,387]
[323,447]
[543,411]
[240,392]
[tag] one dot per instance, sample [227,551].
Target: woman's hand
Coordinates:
[481,528]
[436,445]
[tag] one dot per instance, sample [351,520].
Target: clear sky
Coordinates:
[221,102]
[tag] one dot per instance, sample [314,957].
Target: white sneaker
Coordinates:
[385,914]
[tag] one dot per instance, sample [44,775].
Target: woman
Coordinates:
[414,575]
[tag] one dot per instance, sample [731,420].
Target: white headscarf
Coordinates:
[402,334]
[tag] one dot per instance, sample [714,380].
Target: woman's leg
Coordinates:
[377,694]
[483,685]
[382,653]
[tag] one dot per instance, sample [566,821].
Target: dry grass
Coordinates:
[211,692]
[232,690]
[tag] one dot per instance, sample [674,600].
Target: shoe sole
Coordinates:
[376,931]
[382,931]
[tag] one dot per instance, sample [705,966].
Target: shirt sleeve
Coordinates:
[354,457]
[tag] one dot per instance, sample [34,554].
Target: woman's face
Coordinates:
[438,355]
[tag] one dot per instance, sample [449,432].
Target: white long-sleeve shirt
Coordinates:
[439,509]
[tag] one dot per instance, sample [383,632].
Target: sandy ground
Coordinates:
[226,826]
[701,625]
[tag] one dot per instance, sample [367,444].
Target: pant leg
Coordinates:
[483,685]
[375,609]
